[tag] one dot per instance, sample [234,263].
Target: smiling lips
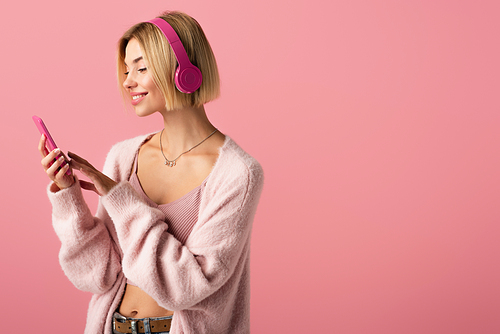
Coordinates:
[137,97]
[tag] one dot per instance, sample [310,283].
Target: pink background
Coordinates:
[377,124]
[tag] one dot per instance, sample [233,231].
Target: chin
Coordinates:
[143,113]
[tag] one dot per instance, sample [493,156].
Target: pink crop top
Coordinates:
[181,214]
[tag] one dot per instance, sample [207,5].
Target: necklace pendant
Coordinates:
[170,163]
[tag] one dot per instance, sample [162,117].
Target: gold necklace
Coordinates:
[171,163]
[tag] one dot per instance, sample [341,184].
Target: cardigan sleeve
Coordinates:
[88,256]
[179,276]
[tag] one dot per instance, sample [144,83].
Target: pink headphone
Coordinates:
[187,76]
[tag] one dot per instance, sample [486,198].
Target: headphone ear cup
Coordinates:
[188,79]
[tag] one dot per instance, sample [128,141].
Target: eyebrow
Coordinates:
[135,61]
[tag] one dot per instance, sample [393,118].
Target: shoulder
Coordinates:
[127,145]
[121,156]
[234,161]
[237,170]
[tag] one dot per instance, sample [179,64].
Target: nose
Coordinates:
[129,82]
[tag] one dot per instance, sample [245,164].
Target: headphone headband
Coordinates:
[188,77]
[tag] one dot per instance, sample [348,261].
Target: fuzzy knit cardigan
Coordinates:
[206,281]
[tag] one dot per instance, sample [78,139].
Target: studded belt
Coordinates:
[122,324]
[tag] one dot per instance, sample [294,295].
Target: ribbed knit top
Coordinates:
[181,214]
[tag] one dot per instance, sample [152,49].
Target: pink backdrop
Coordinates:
[377,124]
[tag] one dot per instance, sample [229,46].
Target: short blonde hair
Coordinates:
[162,63]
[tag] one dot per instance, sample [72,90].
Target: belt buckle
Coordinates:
[119,316]
[133,324]
[116,316]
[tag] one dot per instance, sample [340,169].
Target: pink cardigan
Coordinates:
[206,281]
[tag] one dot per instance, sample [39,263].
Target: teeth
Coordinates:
[138,96]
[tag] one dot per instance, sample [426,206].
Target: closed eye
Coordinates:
[139,70]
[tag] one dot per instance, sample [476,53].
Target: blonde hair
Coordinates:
[162,63]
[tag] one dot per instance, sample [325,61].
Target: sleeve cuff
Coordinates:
[67,201]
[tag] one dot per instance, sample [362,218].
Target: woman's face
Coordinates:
[145,96]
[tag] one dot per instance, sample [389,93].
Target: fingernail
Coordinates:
[57,150]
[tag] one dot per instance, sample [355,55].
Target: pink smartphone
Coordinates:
[51,144]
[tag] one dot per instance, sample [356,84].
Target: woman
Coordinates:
[168,250]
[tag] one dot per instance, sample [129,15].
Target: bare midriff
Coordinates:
[138,304]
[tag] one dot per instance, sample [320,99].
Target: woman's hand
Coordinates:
[52,166]
[101,184]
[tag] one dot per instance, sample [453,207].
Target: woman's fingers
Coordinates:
[89,172]
[79,160]
[61,173]
[54,164]
[100,183]
[81,164]
[86,168]
[88,186]
[49,158]
[56,171]
[52,170]
[41,146]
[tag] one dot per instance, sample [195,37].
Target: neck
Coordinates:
[184,128]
